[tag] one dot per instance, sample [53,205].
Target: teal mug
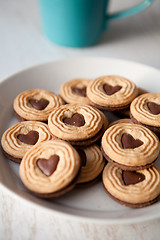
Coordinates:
[80,23]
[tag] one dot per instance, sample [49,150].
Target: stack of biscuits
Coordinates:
[65,141]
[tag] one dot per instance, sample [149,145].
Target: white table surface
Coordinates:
[22,44]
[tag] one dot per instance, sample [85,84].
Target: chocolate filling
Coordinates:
[14,159]
[132,177]
[79,91]
[85,142]
[82,156]
[77,120]
[154,108]
[109,108]
[110,90]
[38,104]
[48,166]
[30,138]
[129,142]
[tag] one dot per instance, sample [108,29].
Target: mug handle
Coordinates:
[131,11]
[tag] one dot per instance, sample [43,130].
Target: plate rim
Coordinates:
[87,219]
[75,59]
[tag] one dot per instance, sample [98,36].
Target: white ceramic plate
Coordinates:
[90,204]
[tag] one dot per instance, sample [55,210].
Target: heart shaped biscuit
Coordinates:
[39,104]
[129,142]
[48,166]
[132,177]
[154,107]
[30,138]
[76,120]
[82,157]
[110,90]
[79,91]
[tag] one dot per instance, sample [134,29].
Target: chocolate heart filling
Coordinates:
[48,166]
[30,138]
[109,90]
[132,177]
[129,142]
[39,104]
[154,107]
[79,91]
[76,120]
[82,157]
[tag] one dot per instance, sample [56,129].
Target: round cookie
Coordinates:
[79,124]
[130,146]
[92,165]
[132,188]
[36,104]
[74,91]
[145,110]
[19,138]
[111,93]
[50,169]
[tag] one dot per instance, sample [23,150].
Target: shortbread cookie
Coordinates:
[111,93]
[132,188]
[130,146]
[145,110]
[92,165]
[50,169]
[74,91]
[79,124]
[36,104]
[19,138]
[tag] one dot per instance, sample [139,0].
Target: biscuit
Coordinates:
[111,93]
[50,169]
[79,124]
[36,104]
[145,110]
[74,91]
[132,188]
[130,146]
[19,138]
[92,165]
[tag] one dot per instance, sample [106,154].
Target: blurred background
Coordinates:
[22,43]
